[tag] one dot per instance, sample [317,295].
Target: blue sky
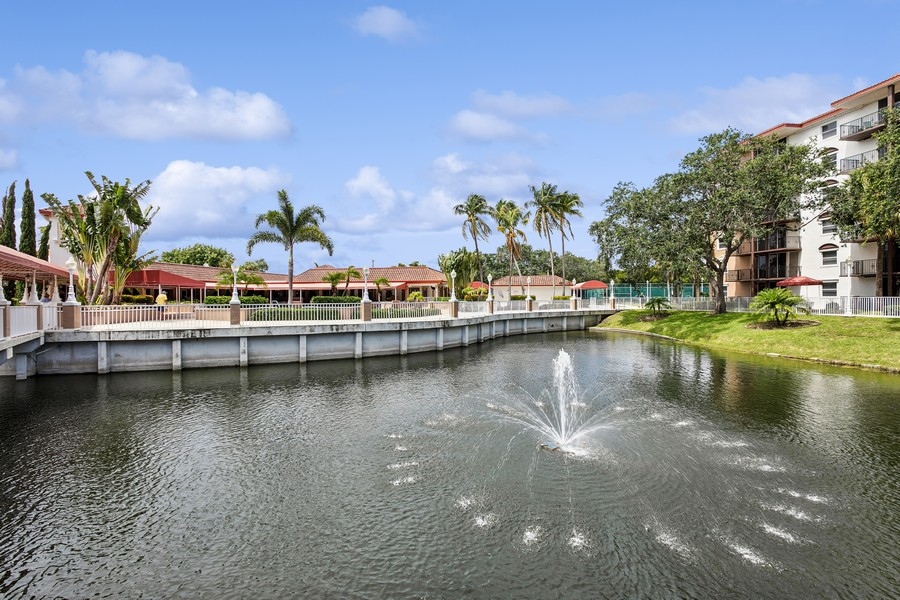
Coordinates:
[387,115]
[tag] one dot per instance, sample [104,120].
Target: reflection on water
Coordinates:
[706,475]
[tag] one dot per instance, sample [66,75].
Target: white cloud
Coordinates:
[9,159]
[388,23]
[196,199]
[128,95]
[370,182]
[452,179]
[512,105]
[618,108]
[484,127]
[757,104]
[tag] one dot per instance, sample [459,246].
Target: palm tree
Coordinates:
[779,303]
[381,281]
[475,208]
[245,276]
[350,274]
[509,217]
[546,217]
[333,279]
[291,228]
[567,204]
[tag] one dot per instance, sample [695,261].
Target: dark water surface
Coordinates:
[712,476]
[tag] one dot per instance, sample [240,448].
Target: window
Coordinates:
[829,288]
[829,257]
[722,244]
[828,226]
[829,130]
[829,157]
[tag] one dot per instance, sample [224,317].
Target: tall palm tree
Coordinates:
[567,204]
[475,208]
[289,228]
[349,274]
[509,217]
[546,218]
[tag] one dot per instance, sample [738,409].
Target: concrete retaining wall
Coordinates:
[80,351]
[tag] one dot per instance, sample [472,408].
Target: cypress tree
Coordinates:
[44,243]
[8,233]
[27,243]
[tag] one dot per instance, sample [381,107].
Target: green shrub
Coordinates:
[562,297]
[520,297]
[416,297]
[471,294]
[137,299]
[335,299]
[403,313]
[218,300]
[442,299]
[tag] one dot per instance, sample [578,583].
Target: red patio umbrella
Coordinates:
[800,280]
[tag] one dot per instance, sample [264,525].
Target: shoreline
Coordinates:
[708,346]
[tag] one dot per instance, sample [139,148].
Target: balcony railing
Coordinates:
[739,275]
[770,244]
[776,271]
[863,127]
[857,160]
[858,268]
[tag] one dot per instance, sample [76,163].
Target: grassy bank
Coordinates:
[842,340]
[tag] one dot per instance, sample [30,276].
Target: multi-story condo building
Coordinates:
[809,244]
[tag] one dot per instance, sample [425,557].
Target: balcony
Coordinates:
[769,244]
[854,162]
[863,127]
[776,272]
[858,268]
[739,275]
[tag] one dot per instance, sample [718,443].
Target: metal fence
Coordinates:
[857,306]
[409,310]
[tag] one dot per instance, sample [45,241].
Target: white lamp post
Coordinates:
[612,290]
[848,310]
[71,265]
[453,285]
[573,288]
[234,294]
[490,297]
[366,285]
[528,281]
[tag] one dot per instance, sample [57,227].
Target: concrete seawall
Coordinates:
[105,351]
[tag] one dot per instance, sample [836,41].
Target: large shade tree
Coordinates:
[867,206]
[288,228]
[729,190]
[199,254]
[475,209]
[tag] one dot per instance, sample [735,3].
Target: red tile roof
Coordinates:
[392,274]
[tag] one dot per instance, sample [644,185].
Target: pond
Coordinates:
[702,475]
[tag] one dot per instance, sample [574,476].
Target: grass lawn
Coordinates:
[844,340]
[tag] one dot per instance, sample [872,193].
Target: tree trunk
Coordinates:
[290,274]
[563,257]
[879,270]
[720,290]
[478,258]
[552,268]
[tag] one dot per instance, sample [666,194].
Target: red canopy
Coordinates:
[798,281]
[591,284]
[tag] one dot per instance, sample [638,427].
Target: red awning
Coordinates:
[591,284]
[158,277]
[20,266]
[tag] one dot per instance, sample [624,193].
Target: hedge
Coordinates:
[244,300]
[301,313]
[335,299]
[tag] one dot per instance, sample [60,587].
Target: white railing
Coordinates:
[409,310]
[510,305]
[282,313]
[859,306]
[22,320]
[473,308]
[142,316]
[555,305]
[51,315]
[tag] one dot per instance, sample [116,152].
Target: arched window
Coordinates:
[829,254]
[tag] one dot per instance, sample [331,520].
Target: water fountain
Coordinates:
[564,421]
